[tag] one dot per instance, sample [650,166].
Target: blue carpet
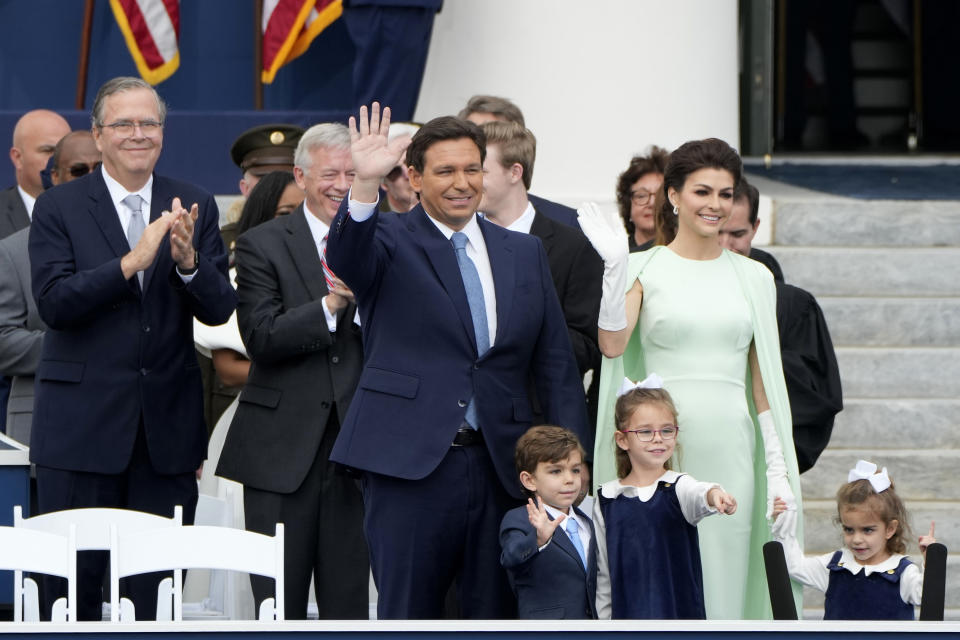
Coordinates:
[870,182]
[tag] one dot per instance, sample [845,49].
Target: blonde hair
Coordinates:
[626,405]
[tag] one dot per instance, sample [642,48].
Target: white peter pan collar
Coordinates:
[849,562]
[615,488]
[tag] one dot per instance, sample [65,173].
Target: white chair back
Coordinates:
[93,524]
[40,552]
[197,547]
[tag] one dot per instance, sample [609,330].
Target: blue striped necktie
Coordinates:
[478,308]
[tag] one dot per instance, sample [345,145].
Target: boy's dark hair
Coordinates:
[545,443]
[438,130]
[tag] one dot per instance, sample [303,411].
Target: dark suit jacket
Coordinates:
[551,583]
[21,333]
[299,372]
[555,211]
[13,214]
[577,273]
[420,355]
[115,355]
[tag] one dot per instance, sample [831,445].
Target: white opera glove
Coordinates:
[777,483]
[605,232]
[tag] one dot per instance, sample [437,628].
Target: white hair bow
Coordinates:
[868,471]
[652,381]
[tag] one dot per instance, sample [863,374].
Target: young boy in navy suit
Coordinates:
[549,550]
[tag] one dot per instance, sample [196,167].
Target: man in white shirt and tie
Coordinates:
[119,270]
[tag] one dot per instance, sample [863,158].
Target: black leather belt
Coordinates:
[467,437]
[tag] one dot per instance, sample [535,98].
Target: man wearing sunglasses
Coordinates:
[21,329]
[75,156]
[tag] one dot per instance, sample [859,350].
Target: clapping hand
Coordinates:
[181,235]
[373,154]
[541,521]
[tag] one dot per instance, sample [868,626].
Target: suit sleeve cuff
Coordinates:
[361,211]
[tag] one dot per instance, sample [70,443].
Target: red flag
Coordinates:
[289,26]
[152,31]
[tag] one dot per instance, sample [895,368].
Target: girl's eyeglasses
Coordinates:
[647,435]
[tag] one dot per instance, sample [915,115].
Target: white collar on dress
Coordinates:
[615,488]
[849,562]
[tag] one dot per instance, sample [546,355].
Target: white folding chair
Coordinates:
[40,552]
[93,526]
[197,547]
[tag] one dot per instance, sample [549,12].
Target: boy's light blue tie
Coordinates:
[135,229]
[478,308]
[573,531]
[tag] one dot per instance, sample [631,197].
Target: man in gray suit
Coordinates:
[298,324]
[34,137]
[21,329]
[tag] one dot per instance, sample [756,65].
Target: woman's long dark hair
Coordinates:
[689,157]
[261,204]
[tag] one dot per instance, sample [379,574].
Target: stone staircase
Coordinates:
[886,275]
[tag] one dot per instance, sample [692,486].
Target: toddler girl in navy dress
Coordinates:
[870,578]
[648,551]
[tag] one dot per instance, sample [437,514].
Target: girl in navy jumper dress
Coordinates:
[870,578]
[648,551]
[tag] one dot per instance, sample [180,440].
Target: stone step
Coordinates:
[893,423]
[892,322]
[860,272]
[918,473]
[813,599]
[899,373]
[821,533]
[860,223]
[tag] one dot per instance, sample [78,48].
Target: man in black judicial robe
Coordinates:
[809,362]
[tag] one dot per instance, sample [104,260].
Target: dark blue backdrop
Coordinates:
[210,96]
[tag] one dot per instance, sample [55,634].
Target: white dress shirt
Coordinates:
[28,201]
[583,531]
[476,251]
[525,221]
[118,192]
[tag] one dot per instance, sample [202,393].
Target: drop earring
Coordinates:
[675,211]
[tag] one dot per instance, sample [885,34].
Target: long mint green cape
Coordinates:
[761,297]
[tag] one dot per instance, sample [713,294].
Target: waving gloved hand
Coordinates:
[605,232]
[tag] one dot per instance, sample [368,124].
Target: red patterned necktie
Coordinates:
[327,274]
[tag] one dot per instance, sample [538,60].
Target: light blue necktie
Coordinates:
[135,229]
[478,309]
[573,532]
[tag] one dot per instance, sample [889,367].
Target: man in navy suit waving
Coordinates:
[119,270]
[456,314]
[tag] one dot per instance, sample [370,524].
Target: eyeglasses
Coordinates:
[125,128]
[394,173]
[647,435]
[80,169]
[642,196]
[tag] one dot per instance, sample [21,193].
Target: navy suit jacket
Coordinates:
[114,354]
[552,583]
[420,355]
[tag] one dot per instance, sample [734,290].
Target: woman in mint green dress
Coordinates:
[704,319]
